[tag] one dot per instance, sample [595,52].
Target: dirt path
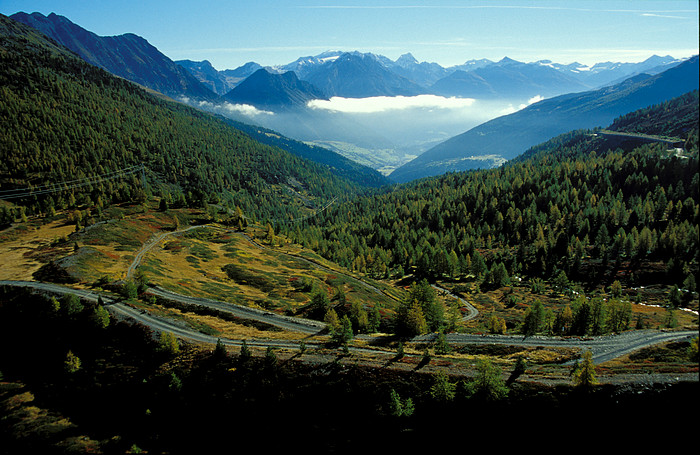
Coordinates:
[152,242]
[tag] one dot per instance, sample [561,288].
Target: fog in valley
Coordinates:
[381,132]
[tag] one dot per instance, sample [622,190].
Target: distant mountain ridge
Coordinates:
[354,75]
[337,73]
[508,79]
[357,74]
[128,56]
[504,138]
[268,90]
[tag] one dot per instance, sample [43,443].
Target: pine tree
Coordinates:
[270,358]
[415,324]
[616,289]
[71,304]
[344,333]
[101,317]
[442,389]
[332,321]
[584,375]
[533,318]
[441,345]
[220,352]
[270,235]
[488,384]
[72,363]
[168,343]
[399,407]
[245,353]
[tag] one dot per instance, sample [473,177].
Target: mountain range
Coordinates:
[581,96]
[355,74]
[336,73]
[128,56]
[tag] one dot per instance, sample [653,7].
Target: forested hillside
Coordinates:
[62,120]
[676,118]
[570,205]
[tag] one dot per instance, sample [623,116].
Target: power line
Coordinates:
[72,184]
[297,220]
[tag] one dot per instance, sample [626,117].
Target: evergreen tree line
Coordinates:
[569,205]
[674,118]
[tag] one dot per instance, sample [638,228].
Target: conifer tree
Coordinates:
[442,389]
[533,318]
[72,363]
[399,407]
[441,345]
[332,321]
[101,317]
[168,343]
[584,375]
[488,384]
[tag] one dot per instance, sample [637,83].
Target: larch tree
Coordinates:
[584,375]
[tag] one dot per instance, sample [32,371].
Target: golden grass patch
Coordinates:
[226,329]
[19,256]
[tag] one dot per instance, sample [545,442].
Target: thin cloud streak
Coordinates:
[512,7]
[663,15]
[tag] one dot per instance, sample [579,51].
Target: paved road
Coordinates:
[472,312]
[603,348]
[643,137]
[154,322]
[284,322]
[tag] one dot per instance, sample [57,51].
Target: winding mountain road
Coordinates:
[603,348]
[472,312]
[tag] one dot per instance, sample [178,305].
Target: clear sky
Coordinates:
[270,32]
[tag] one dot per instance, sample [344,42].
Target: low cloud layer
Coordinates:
[389,103]
[511,108]
[406,125]
[228,109]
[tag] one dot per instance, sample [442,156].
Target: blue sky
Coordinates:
[270,32]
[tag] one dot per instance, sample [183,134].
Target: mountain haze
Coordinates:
[506,137]
[508,79]
[214,80]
